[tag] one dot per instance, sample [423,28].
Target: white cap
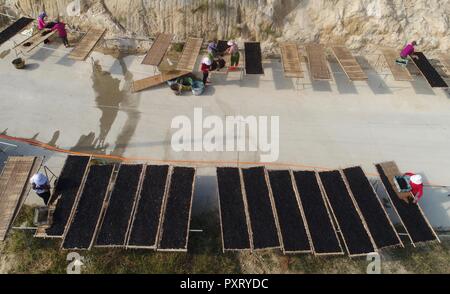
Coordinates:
[207,61]
[230,43]
[416,179]
[39,179]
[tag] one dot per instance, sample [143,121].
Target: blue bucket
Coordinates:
[198,88]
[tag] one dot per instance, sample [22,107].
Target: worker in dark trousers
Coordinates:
[41,185]
[233,50]
[206,68]
[60,27]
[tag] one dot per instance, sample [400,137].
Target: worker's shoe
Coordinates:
[403,62]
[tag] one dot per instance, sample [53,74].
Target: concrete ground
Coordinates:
[88,107]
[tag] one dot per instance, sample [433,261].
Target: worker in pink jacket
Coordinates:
[41,21]
[42,25]
[60,26]
[408,51]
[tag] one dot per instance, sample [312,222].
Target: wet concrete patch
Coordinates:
[110,98]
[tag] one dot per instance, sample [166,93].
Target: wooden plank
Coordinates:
[34,169]
[156,80]
[34,41]
[317,60]
[87,44]
[349,63]
[158,50]
[399,72]
[290,58]
[445,61]
[189,55]
[391,170]
[13,181]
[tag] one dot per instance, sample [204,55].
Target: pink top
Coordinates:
[41,24]
[408,50]
[61,28]
[233,49]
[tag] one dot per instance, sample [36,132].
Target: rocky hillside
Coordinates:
[360,24]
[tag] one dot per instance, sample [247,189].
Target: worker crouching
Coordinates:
[416,184]
[41,185]
[60,26]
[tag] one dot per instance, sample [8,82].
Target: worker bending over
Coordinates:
[60,26]
[42,24]
[407,51]
[206,68]
[41,185]
[212,49]
[416,184]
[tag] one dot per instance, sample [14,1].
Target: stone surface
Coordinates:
[360,24]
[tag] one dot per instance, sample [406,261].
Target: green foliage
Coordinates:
[34,255]
[178,47]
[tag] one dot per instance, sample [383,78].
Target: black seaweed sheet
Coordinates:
[253,59]
[222,46]
[14,28]
[429,72]
[148,211]
[66,190]
[232,209]
[292,226]
[177,211]
[82,228]
[321,229]
[119,211]
[379,225]
[409,213]
[260,210]
[352,228]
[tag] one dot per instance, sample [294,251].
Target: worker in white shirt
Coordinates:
[41,185]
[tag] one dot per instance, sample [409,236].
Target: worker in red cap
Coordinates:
[416,183]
